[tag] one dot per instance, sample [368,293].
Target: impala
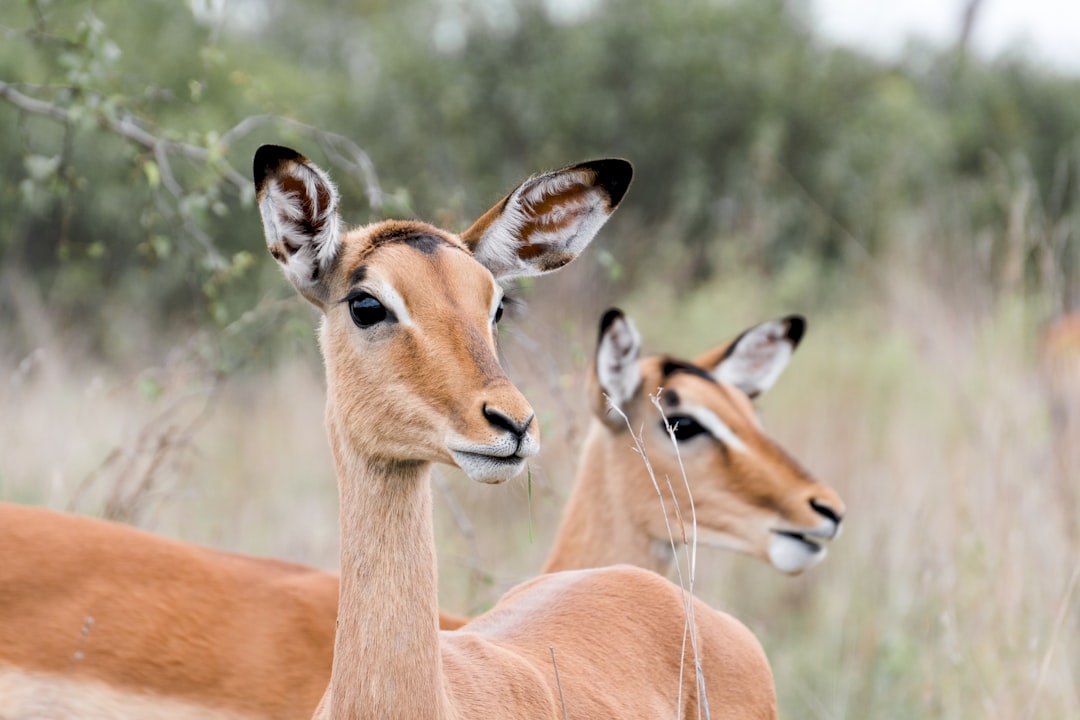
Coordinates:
[748,494]
[408,339]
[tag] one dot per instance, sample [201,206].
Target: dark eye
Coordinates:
[499,312]
[366,310]
[684,427]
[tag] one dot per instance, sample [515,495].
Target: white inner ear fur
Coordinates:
[758,358]
[286,222]
[714,425]
[499,246]
[617,361]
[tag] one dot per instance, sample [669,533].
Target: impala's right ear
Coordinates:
[753,361]
[298,205]
[616,368]
[549,219]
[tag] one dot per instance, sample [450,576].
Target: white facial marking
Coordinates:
[389,297]
[716,427]
[617,361]
[792,555]
[757,359]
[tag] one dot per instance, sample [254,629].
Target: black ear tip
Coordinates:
[609,317]
[268,158]
[796,328]
[613,175]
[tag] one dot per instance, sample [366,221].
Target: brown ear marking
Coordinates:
[267,160]
[547,257]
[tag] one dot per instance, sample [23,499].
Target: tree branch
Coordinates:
[341,149]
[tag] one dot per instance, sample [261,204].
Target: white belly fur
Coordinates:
[37,696]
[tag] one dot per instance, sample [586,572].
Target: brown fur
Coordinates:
[98,602]
[613,515]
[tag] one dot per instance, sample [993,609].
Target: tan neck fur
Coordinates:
[389,616]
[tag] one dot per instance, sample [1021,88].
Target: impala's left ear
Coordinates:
[755,359]
[299,208]
[549,219]
[616,374]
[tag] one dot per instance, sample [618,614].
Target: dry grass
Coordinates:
[951,594]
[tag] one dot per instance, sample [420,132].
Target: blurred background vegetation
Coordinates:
[923,212]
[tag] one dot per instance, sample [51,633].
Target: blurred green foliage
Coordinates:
[125,137]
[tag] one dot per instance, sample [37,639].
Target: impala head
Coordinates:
[748,493]
[410,312]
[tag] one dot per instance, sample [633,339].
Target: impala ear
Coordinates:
[299,208]
[549,219]
[755,359]
[615,370]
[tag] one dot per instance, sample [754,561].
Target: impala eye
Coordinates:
[684,427]
[499,312]
[366,310]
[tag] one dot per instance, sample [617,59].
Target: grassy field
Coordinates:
[917,394]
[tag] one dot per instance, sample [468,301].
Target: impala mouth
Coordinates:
[791,551]
[811,545]
[488,468]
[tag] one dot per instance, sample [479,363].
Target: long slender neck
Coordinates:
[387,661]
[598,525]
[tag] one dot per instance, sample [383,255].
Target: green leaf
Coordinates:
[153,173]
[150,387]
[40,167]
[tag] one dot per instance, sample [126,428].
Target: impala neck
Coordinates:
[387,661]
[599,527]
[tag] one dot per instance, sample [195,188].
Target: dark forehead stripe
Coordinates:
[670,366]
[422,241]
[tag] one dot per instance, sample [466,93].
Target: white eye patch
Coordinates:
[393,302]
[714,425]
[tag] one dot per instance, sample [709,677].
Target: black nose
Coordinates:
[504,422]
[823,509]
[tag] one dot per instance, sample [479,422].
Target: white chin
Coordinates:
[793,555]
[488,469]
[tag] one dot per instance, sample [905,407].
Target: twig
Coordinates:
[691,560]
[558,683]
[343,151]
[127,128]
[1055,635]
[688,599]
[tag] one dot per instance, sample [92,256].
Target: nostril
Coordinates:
[505,422]
[822,509]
